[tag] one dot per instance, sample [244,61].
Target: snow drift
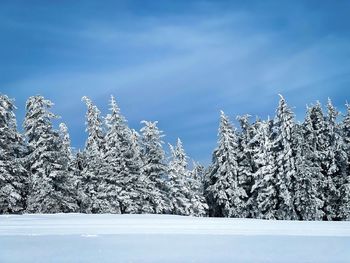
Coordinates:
[163,238]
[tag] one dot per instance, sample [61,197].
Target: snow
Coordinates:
[166,238]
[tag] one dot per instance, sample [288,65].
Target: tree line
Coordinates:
[268,169]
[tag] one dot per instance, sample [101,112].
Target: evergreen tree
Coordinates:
[178,173]
[49,185]
[264,196]
[185,187]
[79,165]
[225,194]
[110,188]
[122,166]
[284,147]
[154,167]
[344,190]
[144,185]
[307,203]
[345,128]
[93,159]
[12,173]
[198,173]
[70,164]
[245,151]
[335,165]
[314,133]
[199,206]
[66,143]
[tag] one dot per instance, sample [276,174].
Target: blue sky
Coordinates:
[178,62]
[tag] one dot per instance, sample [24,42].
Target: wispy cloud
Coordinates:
[182,69]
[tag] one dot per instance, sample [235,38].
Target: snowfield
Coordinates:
[163,238]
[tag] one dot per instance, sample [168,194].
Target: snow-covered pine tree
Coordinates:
[314,133]
[335,165]
[264,196]
[345,128]
[49,187]
[344,206]
[307,203]
[225,195]
[70,163]
[154,167]
[247,168]
[199,173]
[185,187]
[94,126]
[178,187]
[66,143]
[12,172]
[144,185]
[110,187]
[199,206]
[121,169]
[90,178]
[284,147]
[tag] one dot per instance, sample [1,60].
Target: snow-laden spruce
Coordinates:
[307,202]
[245,158]
[112,187]
[336,166]
[344,207]
[264,196]
[121,188]
[50,184]
[184,188]
[225,193]
[12,172]
[284,147]
[93,159]
[154,166]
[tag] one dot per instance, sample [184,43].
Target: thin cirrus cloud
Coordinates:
[180,69]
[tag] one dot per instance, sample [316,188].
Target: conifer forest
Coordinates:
[277,168]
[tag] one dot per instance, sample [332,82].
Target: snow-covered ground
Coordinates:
[162,238]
